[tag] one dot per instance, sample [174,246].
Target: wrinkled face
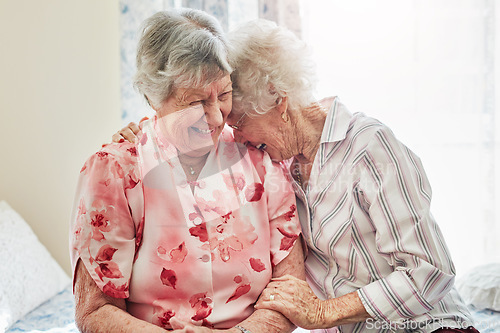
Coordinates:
[193,118]
[263,132]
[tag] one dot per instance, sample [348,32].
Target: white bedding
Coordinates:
[55,316]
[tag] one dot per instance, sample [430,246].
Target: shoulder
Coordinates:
[364,132]
[117,157]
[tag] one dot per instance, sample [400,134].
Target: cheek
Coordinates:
[226,107]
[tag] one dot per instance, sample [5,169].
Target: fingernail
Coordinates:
[121,140]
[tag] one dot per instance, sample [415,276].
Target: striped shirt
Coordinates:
[366,219]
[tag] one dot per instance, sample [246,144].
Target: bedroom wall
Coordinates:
[59,101]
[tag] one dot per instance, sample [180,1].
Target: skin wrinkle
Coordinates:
[92,305]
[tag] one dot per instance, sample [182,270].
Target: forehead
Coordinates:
[215,87]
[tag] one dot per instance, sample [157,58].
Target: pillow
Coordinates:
[481,287]
[29,275]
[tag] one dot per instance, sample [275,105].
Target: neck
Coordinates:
[192,165]
[309,126]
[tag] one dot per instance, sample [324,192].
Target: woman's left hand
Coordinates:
[295,300]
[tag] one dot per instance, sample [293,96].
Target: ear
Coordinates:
[282,107]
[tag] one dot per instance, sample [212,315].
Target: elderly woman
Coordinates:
[377,259]
[183,229]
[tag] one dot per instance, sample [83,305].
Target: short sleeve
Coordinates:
[103,232]
[282,209]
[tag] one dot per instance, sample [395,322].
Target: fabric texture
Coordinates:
[481,287]
[29,275]
[57,315]
[201,255]
[369,228]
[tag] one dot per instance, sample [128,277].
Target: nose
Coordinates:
[213,114]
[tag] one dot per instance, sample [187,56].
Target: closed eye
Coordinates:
[224,96]
[196,102]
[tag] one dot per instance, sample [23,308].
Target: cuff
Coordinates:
[393,298]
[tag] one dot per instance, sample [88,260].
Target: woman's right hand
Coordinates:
[129,132]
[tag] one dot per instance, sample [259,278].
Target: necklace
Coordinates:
[297,173]
[299,179]
[191,170]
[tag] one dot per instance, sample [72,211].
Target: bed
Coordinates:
[38,297]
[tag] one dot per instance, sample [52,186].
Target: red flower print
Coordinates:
[287,242]
[132,151]
[164,319]
[168,277]
[109,270]
[254,192]
[234,181]
[102,154]
[288,230]
[200,302]
[200,231]
[177,254]
[117,292]
[232,236]
[100,223]
[138,237]
[288,215]
[105,253]
[257,265]
[242,289]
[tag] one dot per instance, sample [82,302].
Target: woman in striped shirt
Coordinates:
[377,260]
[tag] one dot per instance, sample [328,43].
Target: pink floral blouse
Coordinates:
[201,255]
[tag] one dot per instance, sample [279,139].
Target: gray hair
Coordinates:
[179,49]
[269,63]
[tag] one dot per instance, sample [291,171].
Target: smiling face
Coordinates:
[193,118]
[267,132]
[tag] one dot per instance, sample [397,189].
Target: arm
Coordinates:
[97,312]
[264,320]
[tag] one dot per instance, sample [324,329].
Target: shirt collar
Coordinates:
[336,123]
[335,129]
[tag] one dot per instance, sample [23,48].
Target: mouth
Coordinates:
[203,131]
[261,147]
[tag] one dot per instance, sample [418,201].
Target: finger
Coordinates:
[128,134]
[134,128]
[275,305]
[286,277]
[118,138]
[177,324]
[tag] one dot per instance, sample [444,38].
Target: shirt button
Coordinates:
[205,258]
[197,221]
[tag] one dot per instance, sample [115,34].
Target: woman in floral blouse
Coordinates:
[183,229]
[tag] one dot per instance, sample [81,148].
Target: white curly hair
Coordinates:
[269,63]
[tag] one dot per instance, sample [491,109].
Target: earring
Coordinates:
[284,116]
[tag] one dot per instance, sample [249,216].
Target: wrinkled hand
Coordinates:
[128,133]
[295,300]
[180,326]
